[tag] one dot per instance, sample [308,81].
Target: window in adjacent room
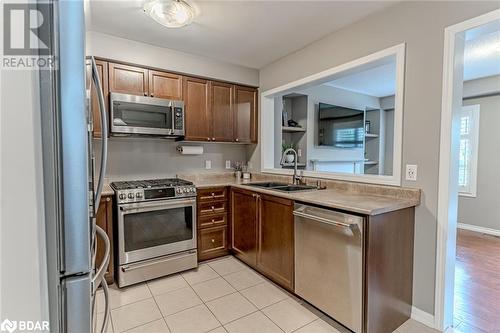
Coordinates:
[469,145]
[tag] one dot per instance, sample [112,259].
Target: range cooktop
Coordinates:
[153,189]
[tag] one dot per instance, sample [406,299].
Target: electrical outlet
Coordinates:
[208,164]
[411,172]
[228,164]
[299,152]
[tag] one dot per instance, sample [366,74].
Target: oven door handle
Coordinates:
[143,206]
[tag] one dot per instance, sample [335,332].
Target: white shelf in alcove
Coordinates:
[292,129]
[371,135]
[370,162]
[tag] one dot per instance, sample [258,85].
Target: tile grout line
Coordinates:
[203,302]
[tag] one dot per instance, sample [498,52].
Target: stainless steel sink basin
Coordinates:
[294,188]
[267,184]
[283,186]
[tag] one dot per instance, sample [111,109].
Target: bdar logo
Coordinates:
[8,325]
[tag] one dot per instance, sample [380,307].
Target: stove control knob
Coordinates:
[122,196]
[185,190]
[131,195]
[138,195]
[192,189]
[179,190]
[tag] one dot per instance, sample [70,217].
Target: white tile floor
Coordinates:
[220,296]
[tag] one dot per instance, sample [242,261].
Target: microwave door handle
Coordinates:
[104,134]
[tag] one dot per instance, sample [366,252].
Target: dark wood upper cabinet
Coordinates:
[275,255]
[198,120]
[244,216]
[165,85]
[128,79]
[222,111]
[245,115]
[102,69]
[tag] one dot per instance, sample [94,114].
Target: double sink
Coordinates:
[283,187]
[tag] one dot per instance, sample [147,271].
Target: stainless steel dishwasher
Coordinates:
[329,262]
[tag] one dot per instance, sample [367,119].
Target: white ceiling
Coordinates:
[482,52]
[378,81]
[248,33]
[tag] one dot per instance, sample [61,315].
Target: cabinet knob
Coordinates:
[145,94]
[108,199]
[213,194]
[213,139]
[213,208]
[151,95]
[236,139]
[213,240]
[208,139]
[213,220]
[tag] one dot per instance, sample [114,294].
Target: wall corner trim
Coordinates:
[423,317]
[483,230]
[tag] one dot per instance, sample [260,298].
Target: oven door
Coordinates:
[145,115]
[156,228]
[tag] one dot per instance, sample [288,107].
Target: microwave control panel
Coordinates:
[178,118]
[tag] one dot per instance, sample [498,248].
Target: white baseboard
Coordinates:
[423,317]
[475,228]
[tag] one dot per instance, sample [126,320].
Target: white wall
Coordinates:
[23,276]
[421,26]
[136,158]
[482,210]
[107,46]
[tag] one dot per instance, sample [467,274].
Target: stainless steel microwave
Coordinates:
[142,115]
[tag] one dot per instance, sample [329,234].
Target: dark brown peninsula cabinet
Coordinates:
[262,236]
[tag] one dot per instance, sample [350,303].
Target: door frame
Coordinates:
[448,167]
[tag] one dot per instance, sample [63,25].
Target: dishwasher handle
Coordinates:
[327,221]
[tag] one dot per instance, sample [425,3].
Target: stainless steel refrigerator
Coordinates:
[71,195]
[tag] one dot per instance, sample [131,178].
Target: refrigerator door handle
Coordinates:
[104,133]
[99,274]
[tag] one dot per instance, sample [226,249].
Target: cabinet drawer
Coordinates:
[211,208]
[212,221]
[211,194]
[212,242]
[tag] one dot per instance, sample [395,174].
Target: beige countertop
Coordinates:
[107,190]
[357,202]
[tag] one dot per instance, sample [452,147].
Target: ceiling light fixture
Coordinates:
[170,13]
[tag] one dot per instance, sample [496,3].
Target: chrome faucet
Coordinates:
[296,178]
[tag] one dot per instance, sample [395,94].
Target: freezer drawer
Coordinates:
[329,263]
[76,303]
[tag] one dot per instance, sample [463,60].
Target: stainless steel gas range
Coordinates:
[156,230]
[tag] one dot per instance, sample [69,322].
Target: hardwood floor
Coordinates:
[477,283]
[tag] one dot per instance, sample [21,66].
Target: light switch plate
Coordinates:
[208,164]
[228,164]
[411,172]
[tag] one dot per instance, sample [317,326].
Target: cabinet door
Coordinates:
[105,221]
[222,111]
[276,240]
[196,94]
[128,79]
[102,69]
[212,242]
[165,85]
[244,225]
[245,115]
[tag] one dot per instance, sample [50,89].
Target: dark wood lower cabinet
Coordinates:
[388,270]
[212,228]
[244,222]
[105,221]
[275,257]
[262,234]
